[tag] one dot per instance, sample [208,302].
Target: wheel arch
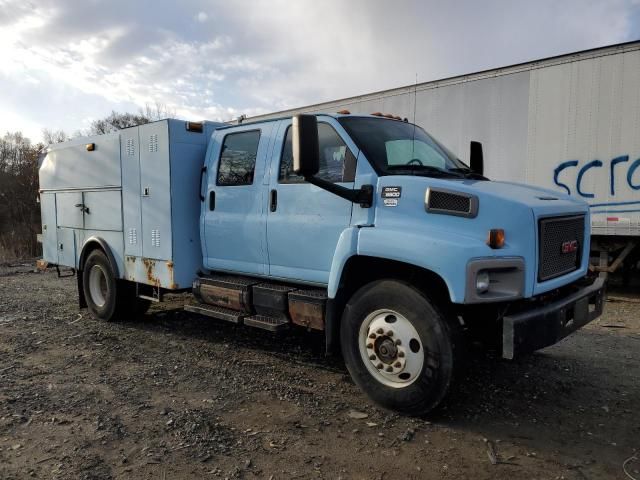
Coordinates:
[93,243]
[360,270]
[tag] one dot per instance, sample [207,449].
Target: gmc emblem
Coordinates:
[570,246]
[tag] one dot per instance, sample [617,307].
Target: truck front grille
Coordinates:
[560,246]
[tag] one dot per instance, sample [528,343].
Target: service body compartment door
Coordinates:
[69,209]
[69,215]
[49,227]
[103,210]
[155,187]
[66,247]
[131,208]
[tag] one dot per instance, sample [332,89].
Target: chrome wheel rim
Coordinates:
[391,348]
[98,285]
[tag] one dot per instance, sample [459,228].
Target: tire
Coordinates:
[411,376]
[107,297]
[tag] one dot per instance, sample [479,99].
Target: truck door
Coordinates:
[304,222]
[233,218]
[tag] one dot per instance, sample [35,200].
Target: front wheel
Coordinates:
[398,347]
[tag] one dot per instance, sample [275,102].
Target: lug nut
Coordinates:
[401,354]
[390,333]
[397,364]
[379,331]
[398,342]
[369,345]
[379,366]
[373,335]
[372,357]
[389,368]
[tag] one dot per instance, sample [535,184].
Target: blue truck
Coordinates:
[364,227]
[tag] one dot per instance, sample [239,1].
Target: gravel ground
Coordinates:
[177,396]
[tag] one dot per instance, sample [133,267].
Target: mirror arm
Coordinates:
[363,196]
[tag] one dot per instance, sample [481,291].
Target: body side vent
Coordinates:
[131,149]
[153,143]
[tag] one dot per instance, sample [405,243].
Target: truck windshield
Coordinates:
[398,148]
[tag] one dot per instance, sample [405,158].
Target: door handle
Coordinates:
[212,200]
[273,201]
[82,207]
[202,172]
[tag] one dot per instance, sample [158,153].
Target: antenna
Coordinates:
[415,96]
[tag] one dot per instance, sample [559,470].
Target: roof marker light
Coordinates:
[194,126]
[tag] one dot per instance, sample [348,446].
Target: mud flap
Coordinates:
[82,302]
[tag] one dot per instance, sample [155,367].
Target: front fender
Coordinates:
[444,253]
[346,248]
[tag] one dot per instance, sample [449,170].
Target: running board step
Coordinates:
[273,324]
[220,313]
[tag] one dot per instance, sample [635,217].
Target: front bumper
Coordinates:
[542,326]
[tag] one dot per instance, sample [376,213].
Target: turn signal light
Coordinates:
[91,147]
[496,238]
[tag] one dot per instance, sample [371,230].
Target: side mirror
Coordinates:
[476,158]
[306,151]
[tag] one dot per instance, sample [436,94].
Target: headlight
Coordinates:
[494,279]
[482,281]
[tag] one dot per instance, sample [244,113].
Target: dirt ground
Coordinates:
[172,395]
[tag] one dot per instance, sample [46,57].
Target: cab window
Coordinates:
[238,158]
[337,163]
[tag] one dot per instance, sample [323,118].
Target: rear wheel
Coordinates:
[107,297]
[398,347]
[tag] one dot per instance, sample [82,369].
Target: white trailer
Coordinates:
[571,123]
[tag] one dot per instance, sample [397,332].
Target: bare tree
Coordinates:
[54,136]
[157,111]
[19,211]
[117,121]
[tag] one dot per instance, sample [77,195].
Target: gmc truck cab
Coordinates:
[362,226]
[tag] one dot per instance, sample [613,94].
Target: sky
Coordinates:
[65,63]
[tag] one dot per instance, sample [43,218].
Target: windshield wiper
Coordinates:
[425,170]
[468,173]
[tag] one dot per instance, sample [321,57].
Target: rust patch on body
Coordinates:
[309,315]
[150,267]
[308,308]
[235,299]
[130,267]
[172,285]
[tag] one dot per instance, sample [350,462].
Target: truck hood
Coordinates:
[542,201]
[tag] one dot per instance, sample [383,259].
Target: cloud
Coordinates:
[67,61]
